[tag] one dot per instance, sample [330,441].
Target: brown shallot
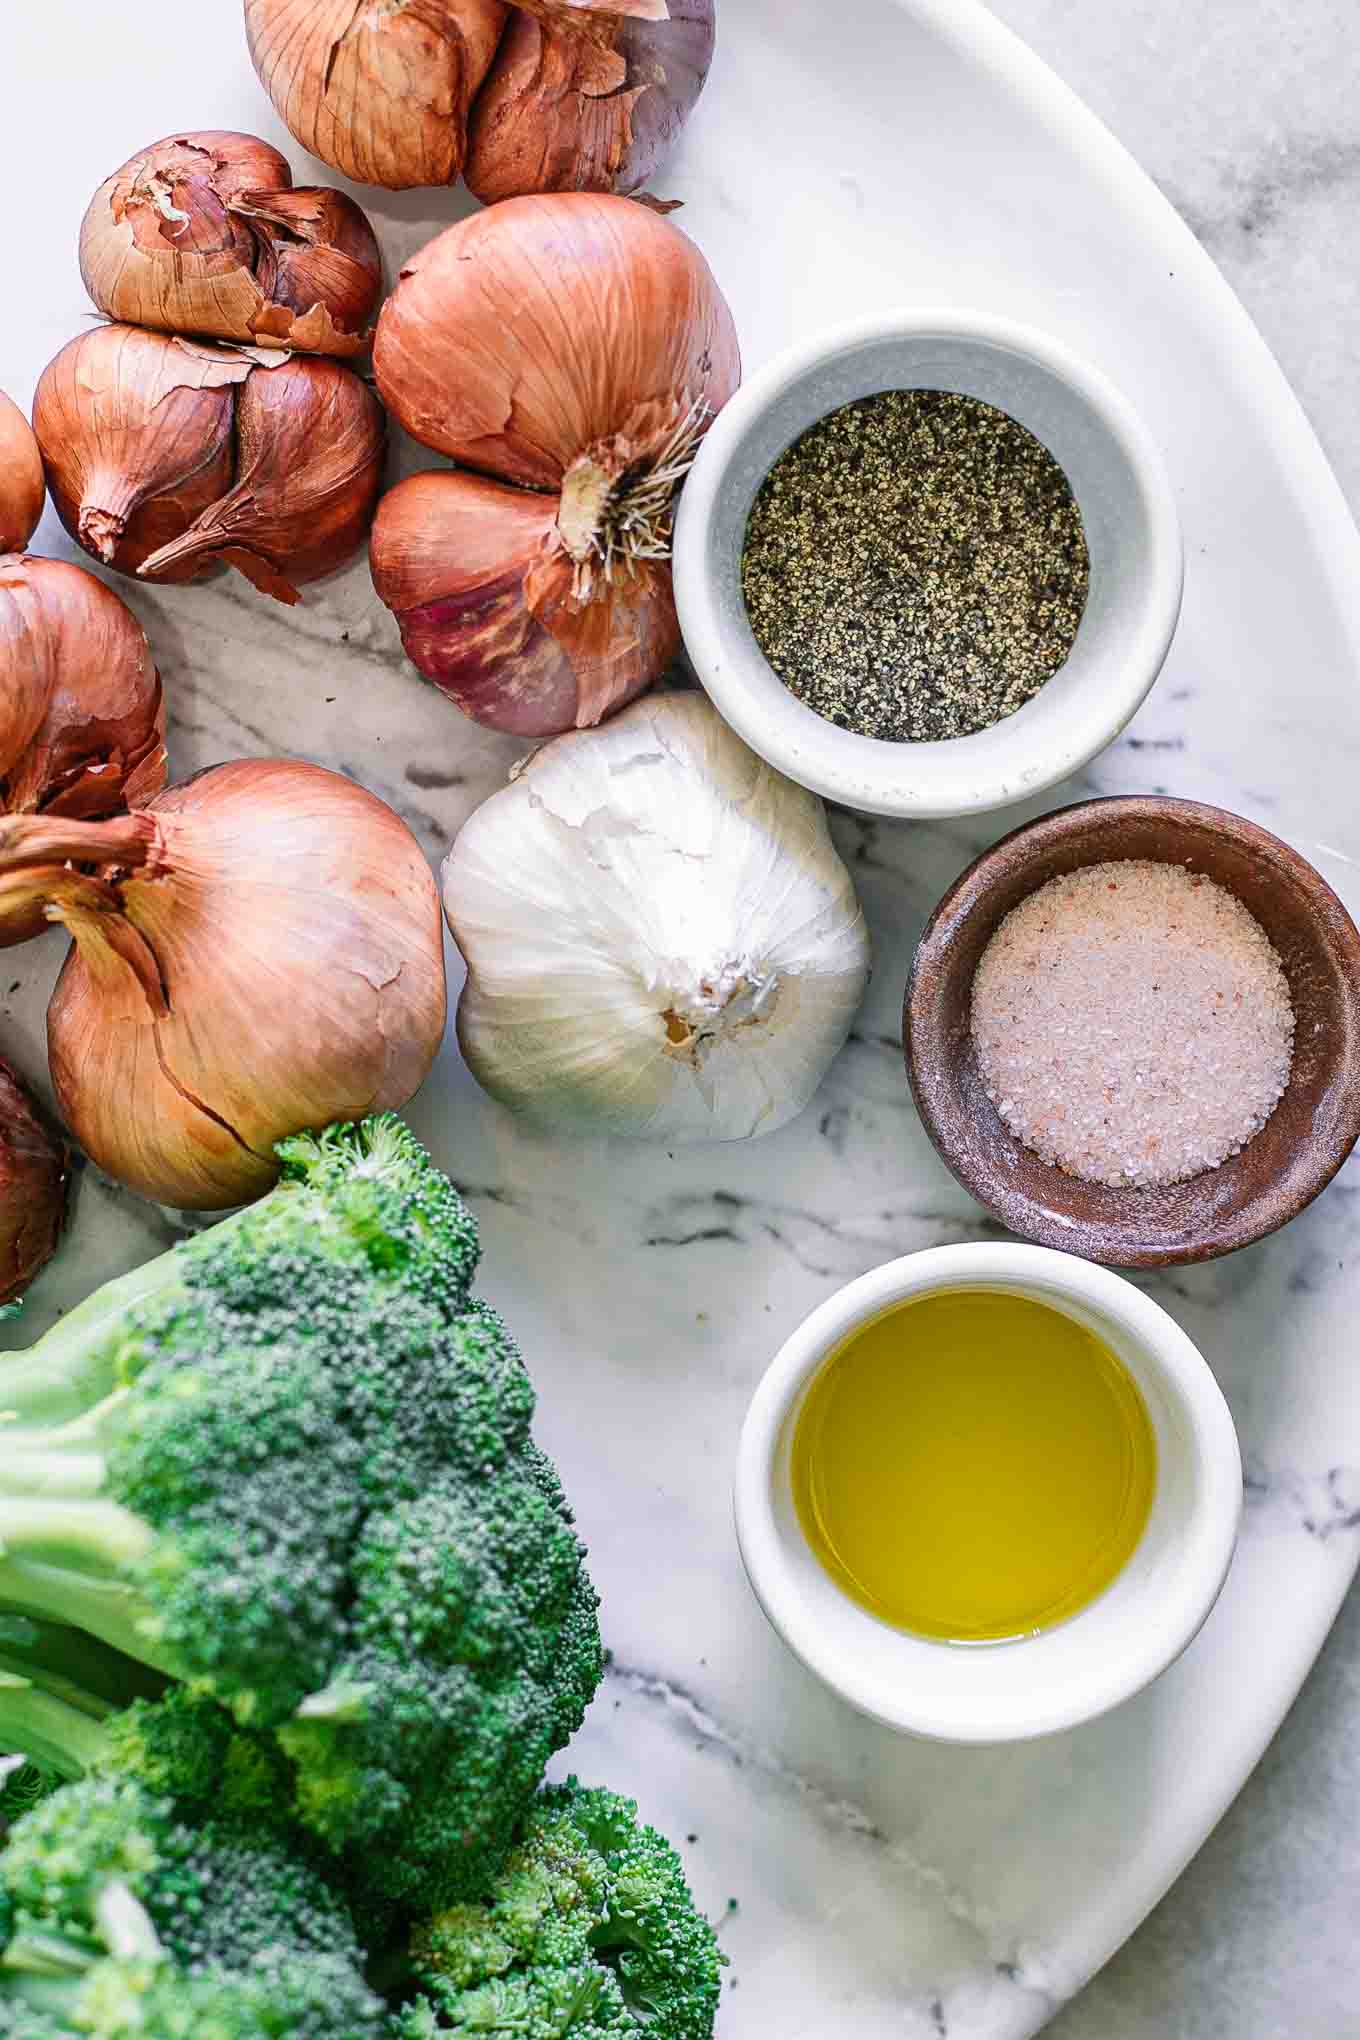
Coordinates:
[165,455]
[259,954]
[550,95]
[34,1179]
[573,349]
[23,490]
[204,233]
[587,100]
[82,719]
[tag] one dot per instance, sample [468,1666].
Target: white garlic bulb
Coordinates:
[661,939]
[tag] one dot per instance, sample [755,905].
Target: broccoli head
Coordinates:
[128,1919]
[589,1931]
[294,1471]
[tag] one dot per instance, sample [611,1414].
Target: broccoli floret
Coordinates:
[141,2000]
[126,1918]
[294,1471]
[473,1619]
[218,1893]
[589,1931]
[177,1746]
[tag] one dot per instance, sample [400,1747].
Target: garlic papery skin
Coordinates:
[204,233]
[661,939]
[23,487]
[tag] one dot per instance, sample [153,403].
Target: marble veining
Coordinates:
[864,1886]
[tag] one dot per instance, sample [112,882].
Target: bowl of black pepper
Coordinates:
[929,563]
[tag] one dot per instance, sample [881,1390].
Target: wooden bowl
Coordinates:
[1298,1150]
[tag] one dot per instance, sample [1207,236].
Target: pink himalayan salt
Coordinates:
[1133,1023]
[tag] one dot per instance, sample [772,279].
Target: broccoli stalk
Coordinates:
[290,1464]
[58,1690]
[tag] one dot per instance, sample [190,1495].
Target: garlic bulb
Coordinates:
[23,489]
[204,233]
[661,939]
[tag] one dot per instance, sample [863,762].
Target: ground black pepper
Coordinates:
[915,566]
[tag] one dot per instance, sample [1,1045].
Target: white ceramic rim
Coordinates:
[930,781]
[1039,1271]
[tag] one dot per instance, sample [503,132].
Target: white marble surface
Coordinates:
[883,1888]
[1245,115]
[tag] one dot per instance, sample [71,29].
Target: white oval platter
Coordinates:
[845,159]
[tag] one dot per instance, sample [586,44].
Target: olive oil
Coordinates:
[973,1466]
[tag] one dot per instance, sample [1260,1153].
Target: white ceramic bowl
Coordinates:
[1004,1692]
[1132,532]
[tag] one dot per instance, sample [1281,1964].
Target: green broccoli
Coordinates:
[289,1463]
[126,1919]
[589,1931]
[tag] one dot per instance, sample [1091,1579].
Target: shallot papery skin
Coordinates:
[551,95]
[482,591]
[165,455]
[381,93]
[309,452]
[34,1180]
[567,110]
[262,956]
[23,489]
[203,233]
[569,347]
[82,716]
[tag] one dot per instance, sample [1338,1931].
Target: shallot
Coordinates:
[549,95]
[204,233]
[82,718]
[165,455]
[23,491]
[573,350]
[34,1178]
[257,953]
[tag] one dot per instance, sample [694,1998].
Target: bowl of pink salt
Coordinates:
[1133,1031]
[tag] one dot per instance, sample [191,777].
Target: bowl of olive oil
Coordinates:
[988,1492]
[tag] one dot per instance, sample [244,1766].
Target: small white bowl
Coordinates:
[1132,533]
[1080,1668]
